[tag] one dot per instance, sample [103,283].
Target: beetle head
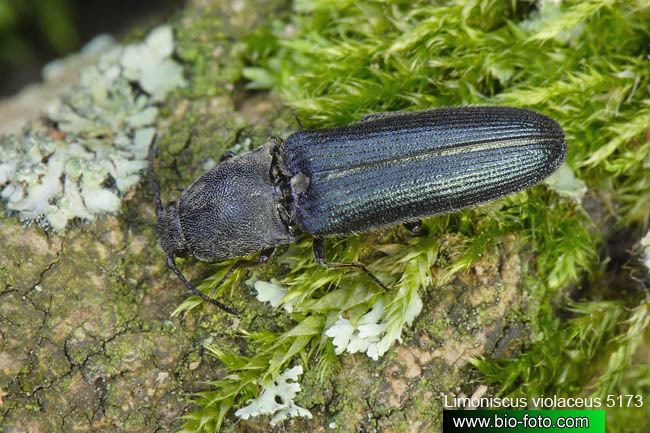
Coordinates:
[172,240]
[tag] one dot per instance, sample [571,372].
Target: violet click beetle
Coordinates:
[389,168]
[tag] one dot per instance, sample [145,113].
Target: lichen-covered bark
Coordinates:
[86,339]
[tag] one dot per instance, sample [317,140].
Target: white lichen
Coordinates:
[565,182]
[271,292]
[362,336]
[377,330]
[150,63]
[59,69]
[97,149]
[543,22]
[276,399]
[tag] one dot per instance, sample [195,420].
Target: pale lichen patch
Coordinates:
[95,152]
[566,183]
[276,399]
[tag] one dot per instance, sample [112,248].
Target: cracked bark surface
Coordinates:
[87,344]
[86,339]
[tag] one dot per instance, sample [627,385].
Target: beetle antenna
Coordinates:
[318,247]
[152,176]
[171,264]
[264,257]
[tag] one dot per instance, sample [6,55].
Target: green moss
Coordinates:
[202,44]
[205,43]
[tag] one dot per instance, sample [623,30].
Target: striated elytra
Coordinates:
[389,168]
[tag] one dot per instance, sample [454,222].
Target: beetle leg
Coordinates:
[152,176]
[295,116]
[415,227]
[227,155]
[171,264]
[318,247]
[264,257]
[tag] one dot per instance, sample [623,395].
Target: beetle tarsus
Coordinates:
[383,115]
[319,254]
[415,227]
[171,264]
